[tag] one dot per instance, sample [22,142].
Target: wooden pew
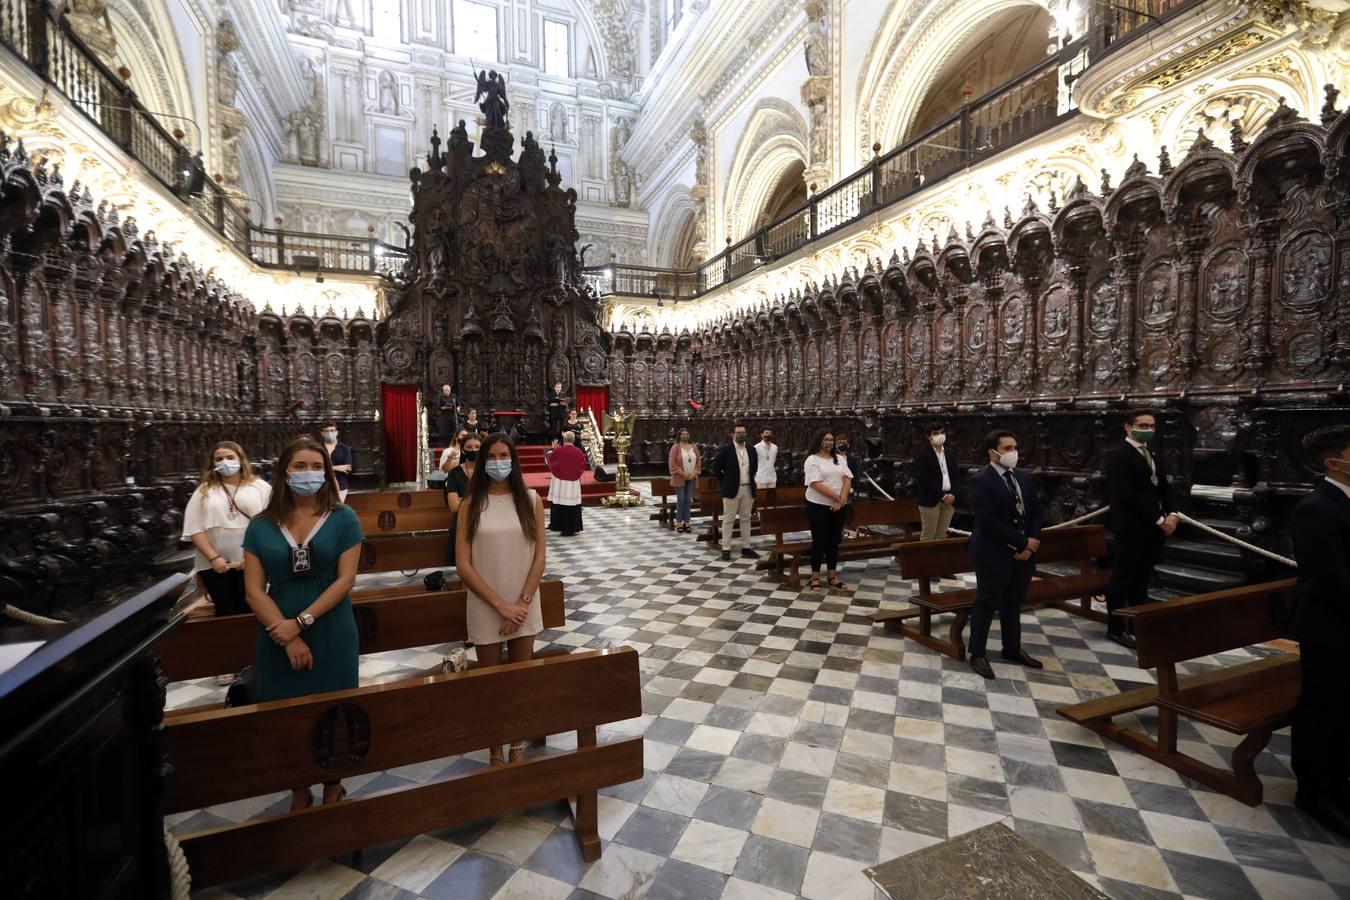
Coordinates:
[223,755]
[202,647]
[781,521]
[664,492]
[397,501]
[403,552]
[405,521]
[1253,699]
[925,561]
[710,504]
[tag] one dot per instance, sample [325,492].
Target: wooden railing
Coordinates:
[1012,113]
[1113,23]
[48,45]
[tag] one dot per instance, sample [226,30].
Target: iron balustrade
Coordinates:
[1112,23]
[1013,112]
[49,46]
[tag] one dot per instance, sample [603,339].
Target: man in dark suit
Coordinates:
[938,475]
[1320,528]
[557,410]
[1141,518]
[447,413]
[1008,519]
[734,466]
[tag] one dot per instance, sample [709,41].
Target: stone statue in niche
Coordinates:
[557,122]
[388,92]
[1305,271]
[817,46]
[492,93]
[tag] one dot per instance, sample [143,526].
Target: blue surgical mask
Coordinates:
[227,467]
[498,469]
[306,484]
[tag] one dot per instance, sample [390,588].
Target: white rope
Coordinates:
[1092,515]
[24,615]
[877,486]
[180,878]
[1232,540]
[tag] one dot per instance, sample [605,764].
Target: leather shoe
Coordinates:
[749,554]
[726,556]
[1024,658]
[982,667]
[1123,638]
[1325,812]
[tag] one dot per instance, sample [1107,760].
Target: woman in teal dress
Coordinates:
[299,587]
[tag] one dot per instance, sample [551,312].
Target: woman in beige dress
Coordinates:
[500,546]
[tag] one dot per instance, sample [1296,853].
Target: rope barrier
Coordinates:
[1260,551]
[24,615]
[180,878]
[1092,515]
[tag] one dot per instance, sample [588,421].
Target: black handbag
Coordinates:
[435,581]
[242,690]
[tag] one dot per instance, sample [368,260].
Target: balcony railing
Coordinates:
[49,46]
[980,129]
[1113,23]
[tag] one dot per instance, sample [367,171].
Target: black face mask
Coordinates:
[470,455]
[842,448]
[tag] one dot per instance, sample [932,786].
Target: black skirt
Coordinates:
[565,519]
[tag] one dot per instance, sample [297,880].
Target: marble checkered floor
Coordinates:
[790,744]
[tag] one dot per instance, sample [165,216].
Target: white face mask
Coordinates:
[938,440]
[1008,460]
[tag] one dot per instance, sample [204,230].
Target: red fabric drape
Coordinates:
[595,399]
[400,432]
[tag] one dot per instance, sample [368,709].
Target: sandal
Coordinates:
[341,795]
[309,800]
[838,585]
[517,751]
[815,584]
[495,760]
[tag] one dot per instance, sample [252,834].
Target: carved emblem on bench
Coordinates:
[387,520]
[404,500]
[341,737]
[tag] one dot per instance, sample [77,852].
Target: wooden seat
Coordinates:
[1253,699]
[784,558]
[403,552]
[406,521]
[397,501]
[710,504]
[218,756]
[925,561]
[199,648]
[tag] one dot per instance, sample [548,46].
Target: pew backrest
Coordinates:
[397,501]
[199,648]
[417,518]
[938,559]
[1191,627]
[781,520]
[403,552]
[248,751]
[710,498]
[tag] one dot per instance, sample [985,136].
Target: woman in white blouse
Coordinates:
[216,516]
[827,486]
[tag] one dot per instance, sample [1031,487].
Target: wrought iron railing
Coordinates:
[33,32]
[1019,109]
[1112,23]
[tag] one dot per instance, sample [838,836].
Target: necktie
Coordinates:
[1016,498]
[1148,458]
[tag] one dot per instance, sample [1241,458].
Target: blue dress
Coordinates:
[332,639]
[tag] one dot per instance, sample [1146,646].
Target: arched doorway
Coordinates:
[788,194]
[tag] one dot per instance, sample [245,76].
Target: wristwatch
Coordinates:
[304,620]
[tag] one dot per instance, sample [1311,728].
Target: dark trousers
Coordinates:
[999,587]
[226,590]
[556,418]
[1321,733]
[447,424]
[1132,562]
[827,527]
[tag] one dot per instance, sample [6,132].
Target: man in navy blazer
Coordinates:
[735,466]
[937,477]
[1320,528]
[1008,519]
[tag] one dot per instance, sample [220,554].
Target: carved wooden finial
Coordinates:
[1007,218]
[1106,182]
[1136,169]
[1164,161]
[1329,108]
[1237,142]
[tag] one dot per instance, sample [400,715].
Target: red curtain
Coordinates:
[400,432]
[595,399]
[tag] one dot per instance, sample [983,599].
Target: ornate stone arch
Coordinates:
[915,41]
[152,54]
[775,137]
[668,218]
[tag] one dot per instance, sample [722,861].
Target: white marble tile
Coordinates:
[855,800]
[713,739]
[514,838]
[675,794]
[830,877]
[527,885]
[418,863]
[920,730]
[744,775]
[738,889]
[1050,807]
[687,710]
[1186,836]
[622,872]
[974,763]
[786,822]
[919,781]
[711,846]
[611,814]
[771,725]
[866,743]
[1128,861]
[321,881]
[805,758]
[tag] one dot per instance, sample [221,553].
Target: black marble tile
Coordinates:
[873,722]
[679,880]
[919,709]
[818,734]
[848,837]
[1267,851]
[696,764]
[760,747]
[472,875]
[977,793]
[653,830]
[910,813]
[374,889]
[971,738]
[798,787]
[559,857]
[730,717]
[1025,774]
[669,731]
[919,753]
[772,863]
[1165,798]
[1112,821]
[1200,876]
[724,806]
[861,770]
[1076,756]
[1065,845]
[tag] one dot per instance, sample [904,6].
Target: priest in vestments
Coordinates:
[567,462]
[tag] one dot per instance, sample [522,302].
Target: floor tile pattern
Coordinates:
[790,745]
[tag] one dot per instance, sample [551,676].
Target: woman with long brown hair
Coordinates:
[300,564]
[215,517]
[501,550]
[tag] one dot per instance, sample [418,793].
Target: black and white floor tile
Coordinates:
[790,744]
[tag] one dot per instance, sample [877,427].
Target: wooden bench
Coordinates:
[406,521]
[780,521]
[664,492]
[404,552]
[219,756]
[396,501]
[925,561]
[199,648]
[710,504]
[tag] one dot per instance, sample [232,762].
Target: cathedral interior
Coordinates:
[246,221]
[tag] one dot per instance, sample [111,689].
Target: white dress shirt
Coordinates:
[766,456]
[942,464]
[743,458]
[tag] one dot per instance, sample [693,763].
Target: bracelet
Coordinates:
[298,623]
[214,558]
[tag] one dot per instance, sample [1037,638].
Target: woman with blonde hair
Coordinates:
[501,552]
[300,561]
[215,517]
